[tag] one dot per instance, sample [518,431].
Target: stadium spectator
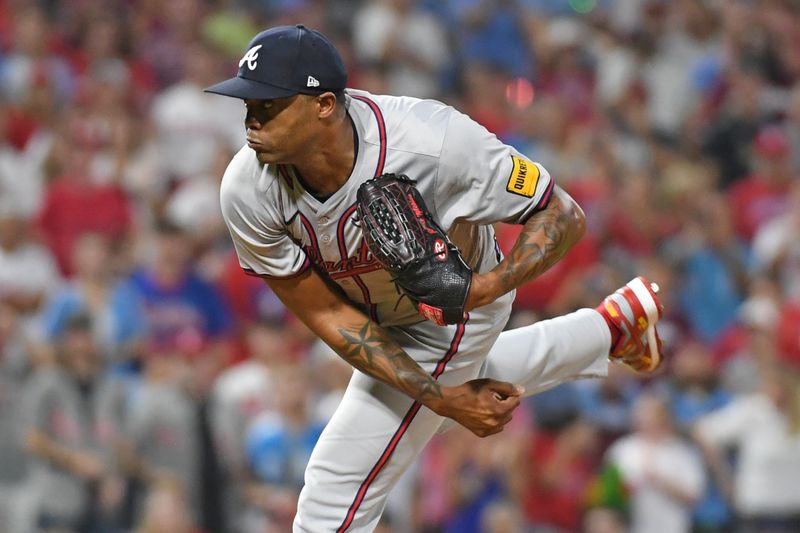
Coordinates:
[662,473]
[183,310]
[602,520]
[24,147]
[68,459]
[407,41]
[459,478]
[776,249]
[763,427]
[491,32]
[331,376]
[278,445]
[117,311]
[242,393]
[715,269]
[28,272]
[188,141]
[249,297]
[30,62]
[13,459]
[502,517]
[161,442]
[750,346]
[79,201]
[561,465]
[166,511]
[607,404]
[692,392]
[760,197]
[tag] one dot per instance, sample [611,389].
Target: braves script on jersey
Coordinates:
[468,178]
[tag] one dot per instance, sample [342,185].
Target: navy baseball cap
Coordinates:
[283,61]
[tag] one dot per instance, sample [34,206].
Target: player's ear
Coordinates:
[326,104]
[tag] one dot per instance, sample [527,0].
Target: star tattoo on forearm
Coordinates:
[369,349]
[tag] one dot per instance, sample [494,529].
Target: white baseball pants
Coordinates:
[377,431]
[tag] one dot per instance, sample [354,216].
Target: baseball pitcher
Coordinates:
[371,218]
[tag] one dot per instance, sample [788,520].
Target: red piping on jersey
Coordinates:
[543,201]
[373,309]
[381,130]
[312,236]
[546,196]
[310,230]
[451,352]
[387,453]
[364,250]
[340,231]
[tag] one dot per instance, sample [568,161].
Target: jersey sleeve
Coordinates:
[481,180]
[259,234]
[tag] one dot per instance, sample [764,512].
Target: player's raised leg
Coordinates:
[580,344]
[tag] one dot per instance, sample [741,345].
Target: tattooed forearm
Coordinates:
[370,350]
[546,237]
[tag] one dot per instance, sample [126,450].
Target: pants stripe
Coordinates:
[407,419]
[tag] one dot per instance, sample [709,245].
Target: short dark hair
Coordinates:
[340,96]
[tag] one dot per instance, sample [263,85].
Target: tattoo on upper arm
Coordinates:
[546,237]
[369,349]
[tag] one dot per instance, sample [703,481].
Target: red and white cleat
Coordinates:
[634,310]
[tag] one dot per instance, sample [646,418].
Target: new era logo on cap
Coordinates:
[277,62]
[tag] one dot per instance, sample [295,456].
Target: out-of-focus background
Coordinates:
[148,385]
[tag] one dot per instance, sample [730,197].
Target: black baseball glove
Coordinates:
[404,238]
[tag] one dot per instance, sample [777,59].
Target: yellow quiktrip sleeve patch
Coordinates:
[524,177]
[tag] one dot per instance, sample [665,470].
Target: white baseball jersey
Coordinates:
[468,178]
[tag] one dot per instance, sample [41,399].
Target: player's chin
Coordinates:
[263,153]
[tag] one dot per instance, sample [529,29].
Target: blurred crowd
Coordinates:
[147,385]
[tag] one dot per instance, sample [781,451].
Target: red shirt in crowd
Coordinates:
[556,503]
[754,201]
[73,207]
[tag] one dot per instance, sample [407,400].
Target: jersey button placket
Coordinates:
[325,238]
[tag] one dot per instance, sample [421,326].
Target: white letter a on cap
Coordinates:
[250,57]
[312,82]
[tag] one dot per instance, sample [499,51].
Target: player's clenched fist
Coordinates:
[483,406]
